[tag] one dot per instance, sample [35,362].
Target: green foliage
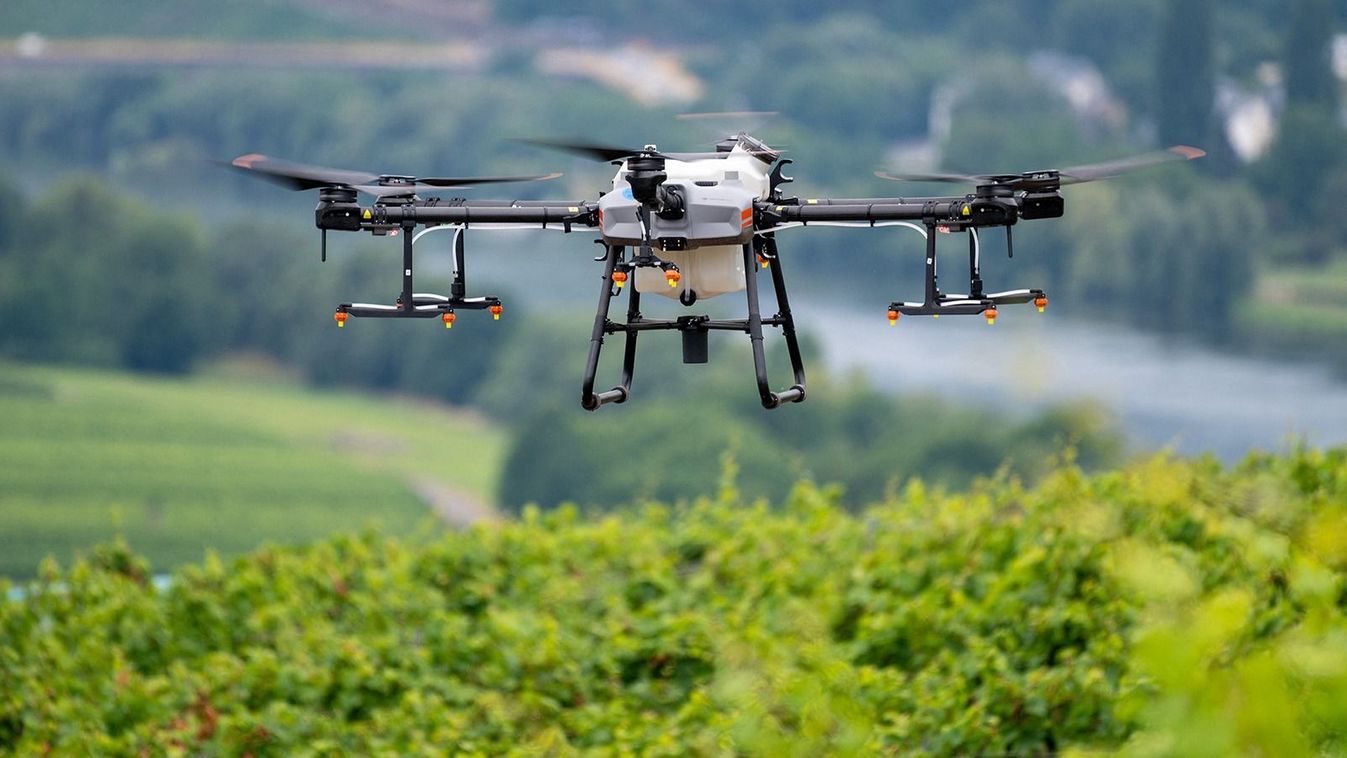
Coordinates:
[1169,608]
[1301,309]
[1255,665]
[1005,119]
[14,203]
[1185,75]
[90,276]
[1144,254]
[1306,56]
[1119,38]
[846,64]
[1306,163]
[119,286]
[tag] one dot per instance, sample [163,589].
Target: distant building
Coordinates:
[1083,86]
[1250,117]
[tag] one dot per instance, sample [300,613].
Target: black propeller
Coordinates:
[610,153]
[1050,179]
[300,176]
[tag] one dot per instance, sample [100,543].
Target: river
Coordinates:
[1165,392]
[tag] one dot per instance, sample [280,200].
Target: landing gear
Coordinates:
[411,304]
[935,303]
[694,328]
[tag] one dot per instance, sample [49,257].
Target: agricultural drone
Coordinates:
[688,226]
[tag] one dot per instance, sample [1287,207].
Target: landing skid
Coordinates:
[424,304]
[695,330]
[964,305]
[937,303]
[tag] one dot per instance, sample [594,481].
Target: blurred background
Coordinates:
[169,368]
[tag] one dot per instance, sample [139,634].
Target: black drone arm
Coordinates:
[962,212]
[989,207]
[340,216]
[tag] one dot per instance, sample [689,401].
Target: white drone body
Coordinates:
[707,242]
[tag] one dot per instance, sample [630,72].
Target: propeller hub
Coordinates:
[336,195]
[645,163]
[995,189]
[645,174]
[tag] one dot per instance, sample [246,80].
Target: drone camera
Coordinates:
[695,342]
[343,216]
[991,211]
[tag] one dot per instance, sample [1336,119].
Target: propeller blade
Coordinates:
[1107,169]
[299,176]
[1032,180]
[392,190]
[415,186]
[725,115]
[583,149]
[956,178]
[609,153]
[467,181]
[694,156]
[722,126]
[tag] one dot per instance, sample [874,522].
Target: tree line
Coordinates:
[1186,244]
[93,277]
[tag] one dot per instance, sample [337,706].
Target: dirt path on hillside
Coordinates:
[452,506]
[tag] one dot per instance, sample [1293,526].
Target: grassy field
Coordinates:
[180,465]
[1299,308]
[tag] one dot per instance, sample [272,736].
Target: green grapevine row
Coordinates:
[1167,608]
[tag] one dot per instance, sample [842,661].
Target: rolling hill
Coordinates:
[179,465]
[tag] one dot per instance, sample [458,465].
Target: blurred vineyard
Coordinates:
[176,465]
[1167,608]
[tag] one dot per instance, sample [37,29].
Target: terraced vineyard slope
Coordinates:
[179,465]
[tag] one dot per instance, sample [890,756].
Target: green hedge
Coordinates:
[1169,608]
